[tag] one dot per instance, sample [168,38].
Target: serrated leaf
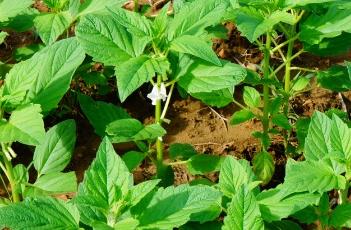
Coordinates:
[294,3]
[106,177]
[173,206]
[132,159]
[11,8]
[312,176]
[283,225]
[340,216]
[126,224]
[138,192]
[243,212]
[193,18]
[317,143]
[57,183]
[137,71]
[51,25]
[100,113]
[336,78]
[300,84]
[263,166]
[204,77]
[282,121]
[91,6]
[251,97]
[202,163]
[55,151]
[181,151]
[45,77]
[340,137]
[40,213]
[25,125]
[106,40]
[216,98]
[241,116]
[195,46]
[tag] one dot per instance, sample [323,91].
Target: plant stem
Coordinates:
[11,178]
[136,5]
[165,108]
[343,194]
[158,120]
[288,64]
[265,118]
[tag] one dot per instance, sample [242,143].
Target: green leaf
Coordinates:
[302,125]
[195,46]
[106,40]
[327,25]
[307,215]
[181,151]
[282,121]
[295,3]
[132,159]
[11,8]
[137,71]
[173,206]
[44,78]
[252,23]
[251,97]
[56,4]
[57,183]
[340,216]
[331,46]
[340,137]
[106,177]
[91,6]
[138,192]
[25,126]
[232,176]
[300,84]
[312,176]
[243,212]
[204,77]
[55,151]
[40,213]
[337,78]
[51,25]
[241,116]
[100,113]
[216,98]
[126,224]
[193,18]
[317,143]
[263,166]
[202,163]
[282,225]
[278,203]
[125,130]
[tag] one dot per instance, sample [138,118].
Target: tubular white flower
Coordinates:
[158,93]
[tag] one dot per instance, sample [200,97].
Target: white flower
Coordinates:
[158,93]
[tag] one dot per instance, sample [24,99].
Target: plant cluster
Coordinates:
[168,52]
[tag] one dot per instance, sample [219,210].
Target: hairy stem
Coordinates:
[11,178]
[158,120]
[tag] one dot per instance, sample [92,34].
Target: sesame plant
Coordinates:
[279,28]
[168,52]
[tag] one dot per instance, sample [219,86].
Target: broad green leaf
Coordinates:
[105,182]
[252,23]
[204,77]
[57,183]
[232,176]
[138,192]
[340,216]
[56,4]
[103,38]
[21,177]
[281,121]
[294,3]
[251,97]
[214,225]
[11,8]
[307,215]
[241,116]
[328,25]
[181,151]
[91,6]
[55,151]
[100,113]
[125,130]
[282,225]
[331,46]
[25,52]
[25,126]
[317,143]
[243,212]
[263,166]
[302,125]
[193,18]
[126,224]
[195,46]
[22,22]
[51,25]
[132,159]
[45,77]
[203,163]
[337,78]
[300,84]
[173,206]
[216,98]
[137,71]
[40,213]
[340,137]
[278,203]
[312,176]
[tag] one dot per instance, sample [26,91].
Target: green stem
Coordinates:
[165,108]
[343,194]
[265,118]
[287,77]
[11,178]
[158,120]
[136,5]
